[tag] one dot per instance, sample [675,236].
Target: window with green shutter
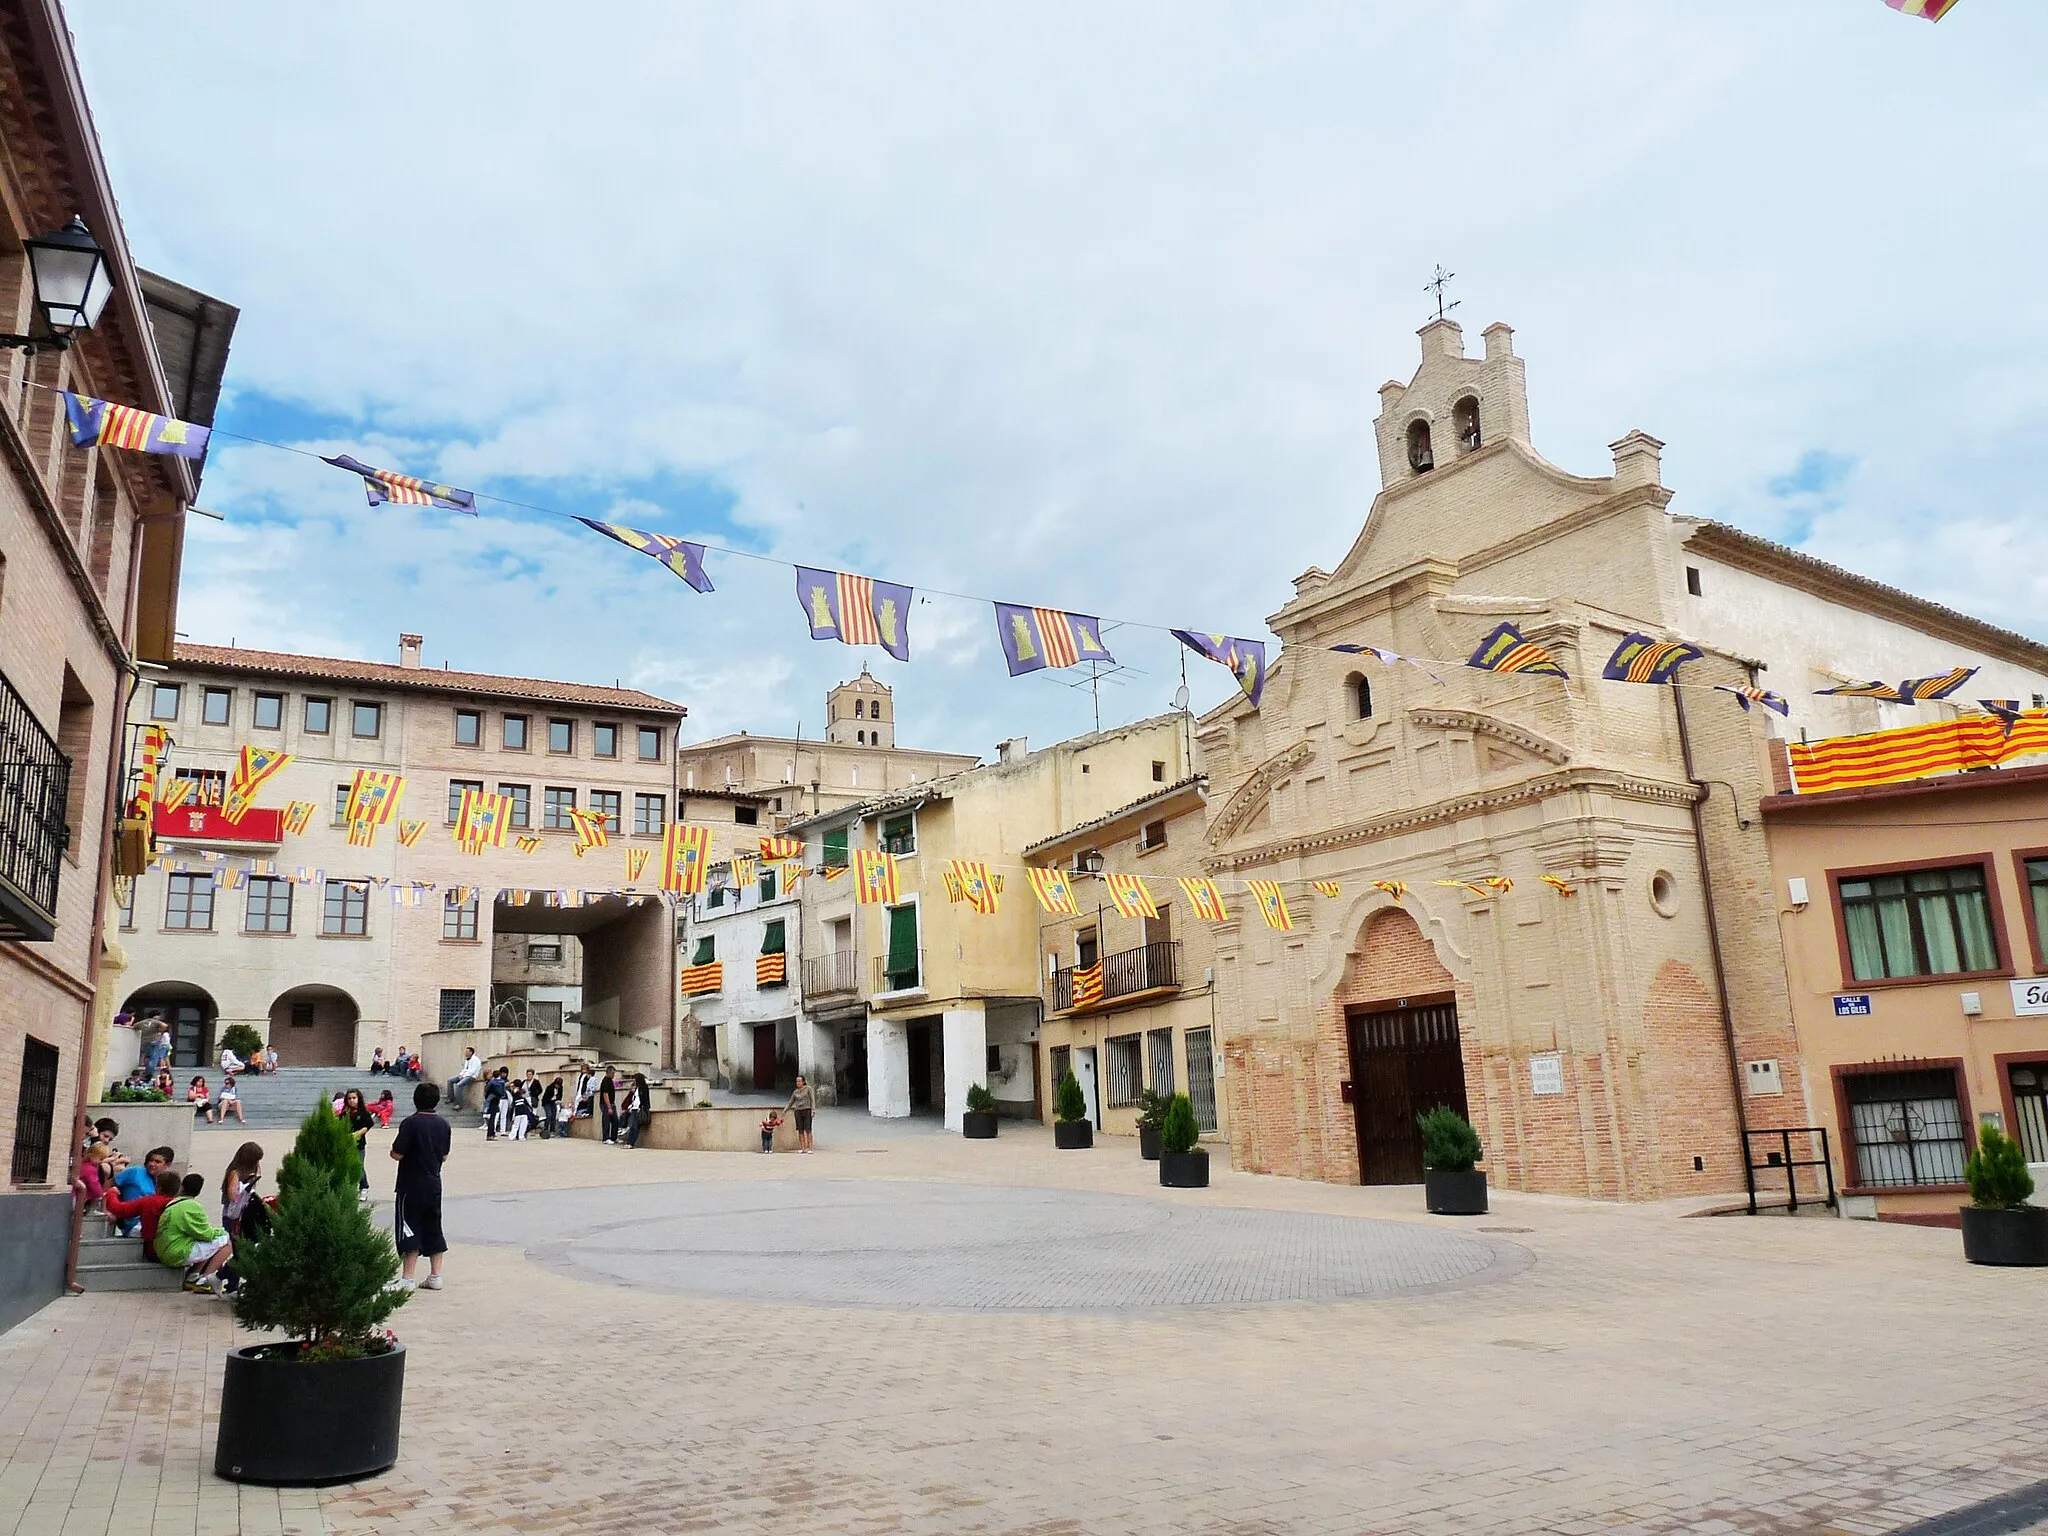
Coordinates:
[707,949]
[901,967]
[899,833]
[835,848]
[767,885]
[772,942]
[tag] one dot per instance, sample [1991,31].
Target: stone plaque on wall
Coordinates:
[1546,1074]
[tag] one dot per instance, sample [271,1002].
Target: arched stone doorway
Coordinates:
[1402,1045]
[314,1026]
[187,1010]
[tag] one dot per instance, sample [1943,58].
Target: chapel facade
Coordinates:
[1613,1038]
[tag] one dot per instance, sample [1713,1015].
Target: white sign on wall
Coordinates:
[1546,1074]
[2030,996]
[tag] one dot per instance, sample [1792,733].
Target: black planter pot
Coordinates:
[1072,1135]
[1150,1141]
[2017,1236]
[282,1422]
[1184,1170]
[1462,1193]
[978,1125]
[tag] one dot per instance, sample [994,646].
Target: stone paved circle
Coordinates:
[882,1243]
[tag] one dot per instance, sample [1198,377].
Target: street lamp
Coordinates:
[72,285]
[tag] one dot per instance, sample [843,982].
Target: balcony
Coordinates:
[901,977]
[837,971]
[35,778]
[1128,973]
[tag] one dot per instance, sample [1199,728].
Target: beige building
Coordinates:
[1610,1041]
[919,998]
[1916,948]
[331,951]
[1155,1024]
[857,760]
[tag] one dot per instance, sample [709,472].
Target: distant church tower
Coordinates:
[861,713]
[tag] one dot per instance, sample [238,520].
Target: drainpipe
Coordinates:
[1699,835]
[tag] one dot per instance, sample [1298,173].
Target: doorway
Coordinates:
[1084,1073]
[764,1058]
[1405,1061]
[927,1043]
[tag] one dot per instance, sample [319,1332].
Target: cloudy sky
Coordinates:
[1077,304]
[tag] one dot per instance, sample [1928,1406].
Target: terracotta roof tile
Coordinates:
[335,669]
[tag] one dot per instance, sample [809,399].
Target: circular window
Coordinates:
[1664,893]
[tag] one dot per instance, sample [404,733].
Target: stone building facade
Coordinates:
[1598,1039]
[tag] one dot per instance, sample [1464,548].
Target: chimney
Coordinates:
[1638,460]
[409,649]
[1013,750]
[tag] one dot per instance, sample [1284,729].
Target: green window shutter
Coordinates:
[903,942]
[771,939]
[835,848]
[707,949]
[898,833]
[767,885]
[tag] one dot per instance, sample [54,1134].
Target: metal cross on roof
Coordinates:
[1436,286]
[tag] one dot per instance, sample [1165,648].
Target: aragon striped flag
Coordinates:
[685,856]
[1272,904]
[98,423]
[1506,650]
[1246,659]
[299,815]
[1128,894]
[1055,895]
[782,848]
[527,844]
[1088,985]
[254,767]
[481,820]
[876,879]
[969,880]
[1203,897]
[1559,884]
[1748,695]
[1036,638]
[686,560]
[382,485]
[858,610]
[592,831]
[1639,659]
[1328,888]
[374,796]
[636,861]
[409,832]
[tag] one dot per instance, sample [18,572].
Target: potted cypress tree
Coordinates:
[1151,1117]
[1182,1163]
[1451,1184]
[979,1123]
[1999,1227]
[1070,1128]
[321,1405]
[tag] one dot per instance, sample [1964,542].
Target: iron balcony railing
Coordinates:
[836,971]
[1144,969]
[903,976]
[35,778]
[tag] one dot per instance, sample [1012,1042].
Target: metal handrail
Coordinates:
[1782,1158]
[833,971]
[35,780]
[888,980]
[1144,969]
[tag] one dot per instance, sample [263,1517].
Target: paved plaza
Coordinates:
[908,1332]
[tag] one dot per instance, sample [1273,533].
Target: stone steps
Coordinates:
[280,1100]
[117,1264]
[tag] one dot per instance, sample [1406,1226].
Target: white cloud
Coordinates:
[1080,304]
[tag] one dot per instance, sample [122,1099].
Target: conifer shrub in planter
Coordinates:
[1999,1227]
[1071,1130]
[1151,1118]
[242,1039]
[1183,1163]
[1451,1184]
[979,1123]
[322,1404]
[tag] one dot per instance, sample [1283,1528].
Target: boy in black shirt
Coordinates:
[420,1148]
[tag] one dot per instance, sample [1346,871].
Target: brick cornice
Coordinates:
[1490,725]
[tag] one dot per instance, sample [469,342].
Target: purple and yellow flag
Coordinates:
[1246,659]
[1883,692]
[1746,696]
[1639,659]
[1505,650]
[97,423]
[1924,690]
[1036,638]
[858,610]
[686,560]
[2006,712]
[382,485]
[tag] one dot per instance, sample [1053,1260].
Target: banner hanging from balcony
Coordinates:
[876,878]
[149,755]
[856,610]
[1036,638]
[99,424]
[382,485]
[1088,985]
[1246,659]
[1916,751]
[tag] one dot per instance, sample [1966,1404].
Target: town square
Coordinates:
[1390,875]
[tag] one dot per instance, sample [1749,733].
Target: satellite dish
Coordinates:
[1180,697]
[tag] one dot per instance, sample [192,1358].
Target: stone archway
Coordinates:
[188,1012]
[314,1026]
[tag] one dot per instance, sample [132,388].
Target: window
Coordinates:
[544,952]
[715,898]
[707,949]
[1927,922]
[875,710]
[835,848]
[209,785]
[1692,580]
[1360,689]
[899,833]
[341,794]
[1151,835]
[860,738]
[1159,1043]
[270,906]
[1158,772]
[469,728]
[1465,418]
[521,796]
[605,803]
[774,939]
[515,733]
[319,715]
[2037,901]
[35,1113]
[860,709]
[458,919]
[561,735]
[124,896]
[900,967]
[1087,948]
[455,789]
[348,908]
[163,701]
[650,814]
[747,815]
[1907,1127]
[650,743]
[1420,459]
[556,803]
[604,740]
[367,720]
[767,885]
[1124,1069]
[218,706]
[303,1015]
[269,712]
[189,905]
[458,1008]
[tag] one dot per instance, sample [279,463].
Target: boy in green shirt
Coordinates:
[185,1238]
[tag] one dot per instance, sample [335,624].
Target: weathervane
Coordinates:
[1436,286]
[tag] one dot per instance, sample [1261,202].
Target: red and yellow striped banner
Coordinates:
[771,970]
[1914,752]
[699,979]
[1088,985]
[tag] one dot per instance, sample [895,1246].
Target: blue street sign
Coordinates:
[1853,1005]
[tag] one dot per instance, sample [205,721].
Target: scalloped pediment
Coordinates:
[1247,803]
[1499,746]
